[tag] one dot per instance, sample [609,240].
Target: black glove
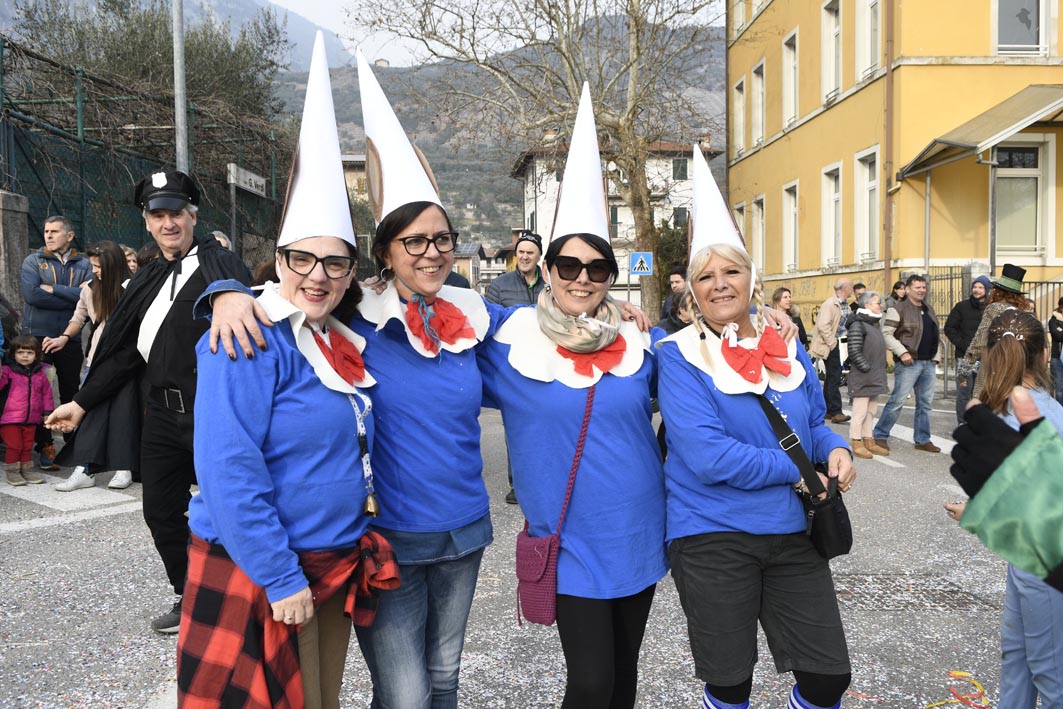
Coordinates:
[982,444]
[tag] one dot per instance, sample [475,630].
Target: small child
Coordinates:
[29,398]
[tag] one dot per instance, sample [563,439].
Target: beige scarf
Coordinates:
[582,333]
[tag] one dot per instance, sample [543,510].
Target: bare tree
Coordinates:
[530,58]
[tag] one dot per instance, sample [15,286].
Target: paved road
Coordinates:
[79,581]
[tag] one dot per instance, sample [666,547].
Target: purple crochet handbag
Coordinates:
[537,556]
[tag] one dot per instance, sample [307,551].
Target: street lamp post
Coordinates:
[180,102]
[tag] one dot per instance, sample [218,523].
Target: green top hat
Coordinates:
[1010,278]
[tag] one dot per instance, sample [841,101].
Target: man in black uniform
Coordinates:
[152,334]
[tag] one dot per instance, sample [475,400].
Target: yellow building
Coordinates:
[873,138]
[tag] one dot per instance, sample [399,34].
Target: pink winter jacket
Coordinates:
[29,397]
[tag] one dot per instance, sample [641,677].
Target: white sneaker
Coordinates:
[77,480]
[121,480]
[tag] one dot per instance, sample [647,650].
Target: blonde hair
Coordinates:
[1015,350]
[736,255]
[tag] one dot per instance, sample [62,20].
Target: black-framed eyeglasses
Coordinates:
[303,262]
[598,271]
[417,244]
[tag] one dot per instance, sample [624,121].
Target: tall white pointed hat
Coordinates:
[711,220]
[317,203]
[396,171]
[581,205]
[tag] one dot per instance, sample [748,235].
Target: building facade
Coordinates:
[874,138]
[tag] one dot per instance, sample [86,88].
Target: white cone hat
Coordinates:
[396,172]
[711,219]
[317,202]
[581,206]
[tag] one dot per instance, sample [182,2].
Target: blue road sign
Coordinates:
[641,263]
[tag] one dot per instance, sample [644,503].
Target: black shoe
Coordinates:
[170,622]
[511,497]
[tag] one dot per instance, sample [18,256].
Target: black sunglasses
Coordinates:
[303,262]
[417,244]
[598,271]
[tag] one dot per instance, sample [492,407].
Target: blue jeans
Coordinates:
[1031,643]
[1057,377]
[920,375]
[413,648]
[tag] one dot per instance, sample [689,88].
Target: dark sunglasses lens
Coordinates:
[568,267]
[599,271]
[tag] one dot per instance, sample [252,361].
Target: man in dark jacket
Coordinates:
[960,327]
[51,285]
[152,334]
[521,286]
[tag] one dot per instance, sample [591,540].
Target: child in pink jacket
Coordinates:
[28,398]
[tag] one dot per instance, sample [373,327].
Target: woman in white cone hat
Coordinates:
[280,541]
[567,365]
[736,530]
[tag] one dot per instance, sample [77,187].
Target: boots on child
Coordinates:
[29,474]
[14,477]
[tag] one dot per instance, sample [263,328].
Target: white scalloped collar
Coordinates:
[535,355]
[379,309]
[279,308]
[726,379]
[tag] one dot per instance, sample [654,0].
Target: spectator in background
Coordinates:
[858,290]
[457,280]
[51,285]
[677,281]
[131,259]
[830,326]
[681,315]
[1006,292]
[1055,329]
[911,333]
[222,239]
[960,327]
[867,372]
[898,294]
[783,300]
[148,253]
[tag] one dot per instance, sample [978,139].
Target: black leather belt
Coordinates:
[171,399]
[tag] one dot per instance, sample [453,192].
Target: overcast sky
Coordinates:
[331,15]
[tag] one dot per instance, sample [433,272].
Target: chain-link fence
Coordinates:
[76,144]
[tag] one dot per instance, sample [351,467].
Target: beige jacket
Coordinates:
[825,332]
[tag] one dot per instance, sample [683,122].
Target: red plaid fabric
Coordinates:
[230,651]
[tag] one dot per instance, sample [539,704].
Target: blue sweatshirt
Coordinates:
[612,542]
[726,471]
[277,461]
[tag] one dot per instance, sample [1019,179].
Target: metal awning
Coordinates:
[1035,103]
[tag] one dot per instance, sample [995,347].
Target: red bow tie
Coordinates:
[604,359]
[343,356]
[448,322]
[770,352]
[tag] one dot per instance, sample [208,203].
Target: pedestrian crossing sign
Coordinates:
[641,263]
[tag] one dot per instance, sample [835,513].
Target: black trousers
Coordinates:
[601,640]
[832,382]
[67,363]
[167,472]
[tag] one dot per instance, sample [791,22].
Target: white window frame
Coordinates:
[738,117]
[868,37]
[831,215]
[757,103]
[790,215]
[739,213]
[738,17]
[1046,45]
[790,79]
[866,206]
[1046,184]
[831,51]
[757,231]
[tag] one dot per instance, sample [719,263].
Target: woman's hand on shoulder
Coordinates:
[236,316]
[296,609]
[781,322]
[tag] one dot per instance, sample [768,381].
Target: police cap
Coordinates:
[172,190]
